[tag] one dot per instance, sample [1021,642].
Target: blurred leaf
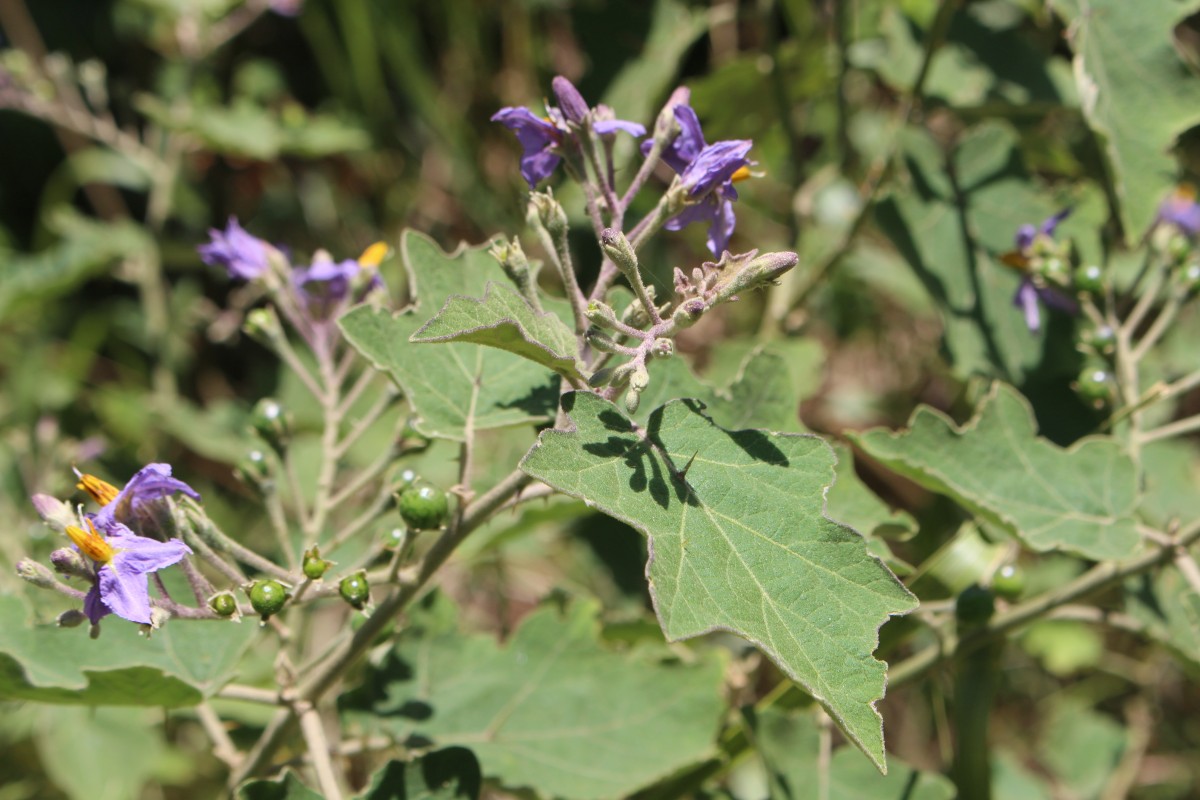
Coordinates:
[962,560]
[1080,499]
[102,753]
[286,787]
[550,708]
[1171,475]
[1062,646]
[459,385]
[177,666]
[504,319]
[1012,781]
[789,745]
[440,775]
[1122,48]
[1081,747]
[88,248]
[1171,607]
[736,524]
[98,165]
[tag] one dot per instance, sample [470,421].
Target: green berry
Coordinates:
[1191,276]
[267,597]
[423,507]
[223,604]
[1101,338]
[355,590]
[1053,269]
[1094,385]
[1090,279]
[974,606]
[1179,247]
[314,566]
[255,470]
[1009,582]
[272,422]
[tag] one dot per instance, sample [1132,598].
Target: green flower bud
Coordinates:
[640,378]
[549,213]
[57,514]
[272,422]
[617,247]
[71,618]
[1090,279]
[601,341]
[758,271]
[662,348]
[37,574]
[1009,582]
[423,507]
[601,377]
[517,267]
[975,606]
[68,561]
[355,590]
[262,325]
[1094,385]
[636,315]
[600,314]
[314,566]
[688,314]
[223,604]
[633,399]
[267,597]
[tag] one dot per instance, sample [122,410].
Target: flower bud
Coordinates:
[423,507]
[617,247]
[267,598]
[355,589]
[262,325]
[662,348]
[223,604]
[37,574]
[272,422]
[314,566]
[688,314]
[601,341]
[69,562]
[632,400]
[758,272]
[601,377]
[57,514]
[71,618]
[515,264]
[640,378]
[548,213]
[570,101]
[636,315]
[601,314]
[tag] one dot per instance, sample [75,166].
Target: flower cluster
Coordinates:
[107,552]
[320,291]
[705,173]
[1043,264]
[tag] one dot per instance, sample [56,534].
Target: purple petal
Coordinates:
[1051,223]
[1182,211]
[607,126]
[721,227]
[1057,299]
[687,145]
[93,606]
[244,256]
[1024,237]
[126,595]
[537,137]
[138,555]
[715,165]
[1026,299]
[152,482]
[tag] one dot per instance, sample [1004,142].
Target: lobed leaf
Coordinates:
[739,541]
[1079,499]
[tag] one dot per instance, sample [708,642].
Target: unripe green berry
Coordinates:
[1179,247]
[223,604]
[1053,269]
[267,597]
[423,507]
[355,590]
[1101,338]
[1009,582]
[314,566]
[272,422]
[1090,279]
[255,469]
[1191,276]
[974,606]
[1095,386]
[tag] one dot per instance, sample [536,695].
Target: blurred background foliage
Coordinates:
[130,127]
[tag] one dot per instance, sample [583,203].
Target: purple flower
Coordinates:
[1033,288]
[707,173]
[325,286]
[542,138]
[123,561]
[152,482]
[1181,210]
[246,257]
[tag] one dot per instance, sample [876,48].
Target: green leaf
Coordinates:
[789,745]
[504,319]
[461,386]
[1081,747]
[1171,609]
[739,541]
[1121,49]
[852,503]
[287,787]
[1079,499]
[550,708]
[440,775]
[177,666]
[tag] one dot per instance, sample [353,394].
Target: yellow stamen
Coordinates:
[741,174]
[102,492]
[90,543]
[373,255]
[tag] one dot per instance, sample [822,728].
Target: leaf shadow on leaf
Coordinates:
[539,401]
